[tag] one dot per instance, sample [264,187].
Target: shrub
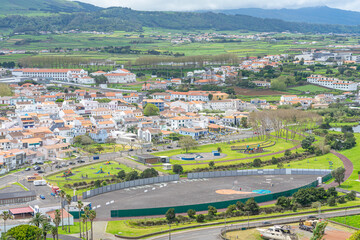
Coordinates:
[257,162]
[212,211]
[240,205]
[342,199]
[170,215]
[351,196]
[200,218]
[177,169]
[331,201]
[191,213]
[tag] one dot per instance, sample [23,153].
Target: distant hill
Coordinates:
[324,15]
[126,19]
[28,7]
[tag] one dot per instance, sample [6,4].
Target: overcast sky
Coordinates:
[180,5]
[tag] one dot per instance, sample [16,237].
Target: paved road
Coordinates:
[213,232]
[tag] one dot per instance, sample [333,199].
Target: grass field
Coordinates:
[91,171]
[128,228]
[280,145]
[311,88]
[354,155]
[353,221]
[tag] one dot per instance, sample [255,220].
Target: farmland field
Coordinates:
[311,88]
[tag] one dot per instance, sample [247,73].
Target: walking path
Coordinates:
[348,165]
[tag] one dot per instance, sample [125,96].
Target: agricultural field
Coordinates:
[148,40]
[311,89]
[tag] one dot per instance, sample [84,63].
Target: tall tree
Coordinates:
[57,220]
[68,200]
[6,216]
[62,195]
[92,216]
[45,227]
[338,174]
[151,110]
[38,219]
[80,205]
[187,143]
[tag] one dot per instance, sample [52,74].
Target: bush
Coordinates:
[274,160]
[212,210]
[200,218]
[287,152]
[331,192]
[178,169]
[191,213]
[351,196]
[231,209]
[331,201]
[294,207]
[342,199]
[240,205]
[257,162]
[170,215]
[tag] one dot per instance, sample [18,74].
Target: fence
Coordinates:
[204,206]
[234,173]
[128,184]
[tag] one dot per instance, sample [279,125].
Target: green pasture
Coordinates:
[311,88]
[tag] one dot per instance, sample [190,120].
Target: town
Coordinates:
[126,128]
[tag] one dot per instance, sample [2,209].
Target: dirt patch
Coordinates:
[231,192]
[256,92]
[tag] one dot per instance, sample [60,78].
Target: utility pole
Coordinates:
[169,231]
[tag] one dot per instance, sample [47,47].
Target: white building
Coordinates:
[333,83]
[53,74]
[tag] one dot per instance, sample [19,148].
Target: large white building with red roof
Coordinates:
[333,83]
[52,74]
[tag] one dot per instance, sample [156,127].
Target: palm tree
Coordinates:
[80,205]
[87,211]
[38,219]
[68,200]
[54,232]
[62,196]
[45,227]
[5,216]
[83,219]
[92,216]
[57,220]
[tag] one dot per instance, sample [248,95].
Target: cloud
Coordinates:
[188,5]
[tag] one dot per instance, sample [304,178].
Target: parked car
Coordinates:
[154,149]
[130,150]
[42,197]
[40,171]
[27,169]
[58,166]
[71,163]
[149,150]
[39,163]
[169,147]
[80,161]
[37,168]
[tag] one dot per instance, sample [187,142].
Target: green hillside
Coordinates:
[40,7]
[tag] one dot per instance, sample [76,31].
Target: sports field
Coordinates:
[195,191]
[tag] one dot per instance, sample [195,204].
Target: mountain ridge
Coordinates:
[320,15]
